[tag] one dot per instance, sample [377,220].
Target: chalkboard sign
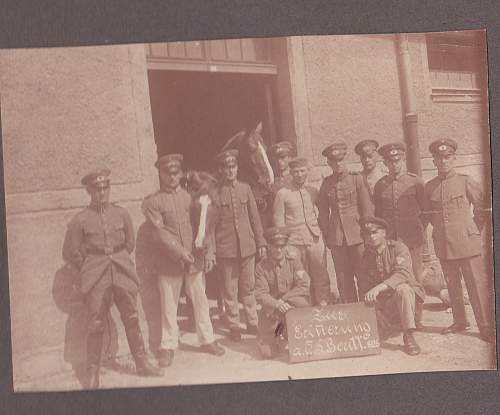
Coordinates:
[343,330]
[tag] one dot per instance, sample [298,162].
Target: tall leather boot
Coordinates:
[419,309]
[94,348]
[143,366]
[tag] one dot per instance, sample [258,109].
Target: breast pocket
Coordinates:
[457,200]
[332,196]
[408,200]
[346,195]
[244,203]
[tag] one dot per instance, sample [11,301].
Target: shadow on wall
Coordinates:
[148,257]
[69,299]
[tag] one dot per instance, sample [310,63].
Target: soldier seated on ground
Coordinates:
[280,285]
[390,284]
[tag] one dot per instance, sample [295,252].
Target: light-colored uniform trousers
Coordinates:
[314,262]
[170,290]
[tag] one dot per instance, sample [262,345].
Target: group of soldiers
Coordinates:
[373,223]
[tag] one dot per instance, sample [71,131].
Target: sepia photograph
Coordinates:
[248,210]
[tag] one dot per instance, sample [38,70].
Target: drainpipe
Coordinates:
[410,118]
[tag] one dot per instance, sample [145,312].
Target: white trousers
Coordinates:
[170,290]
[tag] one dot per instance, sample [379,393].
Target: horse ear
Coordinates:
[234,141]
[258,129]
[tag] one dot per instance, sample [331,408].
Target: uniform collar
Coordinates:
[340,176]
[169,190]
[398,176]
[229,184]
[101,208]
[451,173]
[378,251]
[295,187]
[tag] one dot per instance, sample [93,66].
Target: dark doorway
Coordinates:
[194,113]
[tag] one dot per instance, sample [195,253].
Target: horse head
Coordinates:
[254,167]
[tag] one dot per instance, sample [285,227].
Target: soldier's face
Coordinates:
[299,175]
[277,251]
[170,178]
[374,238]
[283,163]
[369,161]
[445,163]
[337,166]
[229,170]
[394,166]
[99,194]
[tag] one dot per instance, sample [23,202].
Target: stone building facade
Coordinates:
[66,110]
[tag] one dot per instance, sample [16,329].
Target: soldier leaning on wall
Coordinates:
[101,240]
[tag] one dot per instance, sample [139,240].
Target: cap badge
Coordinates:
[394,152]
[442,147]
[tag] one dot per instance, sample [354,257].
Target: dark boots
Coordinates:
[94,347]
[143,366]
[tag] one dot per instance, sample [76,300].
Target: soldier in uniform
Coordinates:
[390,283]
[238,236]
[101,239]
[169,211]
[280,285]
[457,238]
[280,155]
[295,208]
[399,200]
[371,173]
[343,199]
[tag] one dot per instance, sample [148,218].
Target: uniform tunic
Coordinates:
[343,199]
[400,202]
[238,229]
[457,242]
[295,208]
[100,244]
[274,281]
[170,211]
[392,266]
[238,232]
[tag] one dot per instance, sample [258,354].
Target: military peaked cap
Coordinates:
[281,149]
[226,155]
[372,223]
[169,160]
[443,147]
[392,151]
[97,177]
[275,235]
[337,150]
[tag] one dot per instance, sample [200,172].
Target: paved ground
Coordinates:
[242,362]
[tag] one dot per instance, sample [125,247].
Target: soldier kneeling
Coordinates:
[390,283]
[280,284]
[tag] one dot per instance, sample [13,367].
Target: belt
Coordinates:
[105,251]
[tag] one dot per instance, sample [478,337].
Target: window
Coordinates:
[455,64]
